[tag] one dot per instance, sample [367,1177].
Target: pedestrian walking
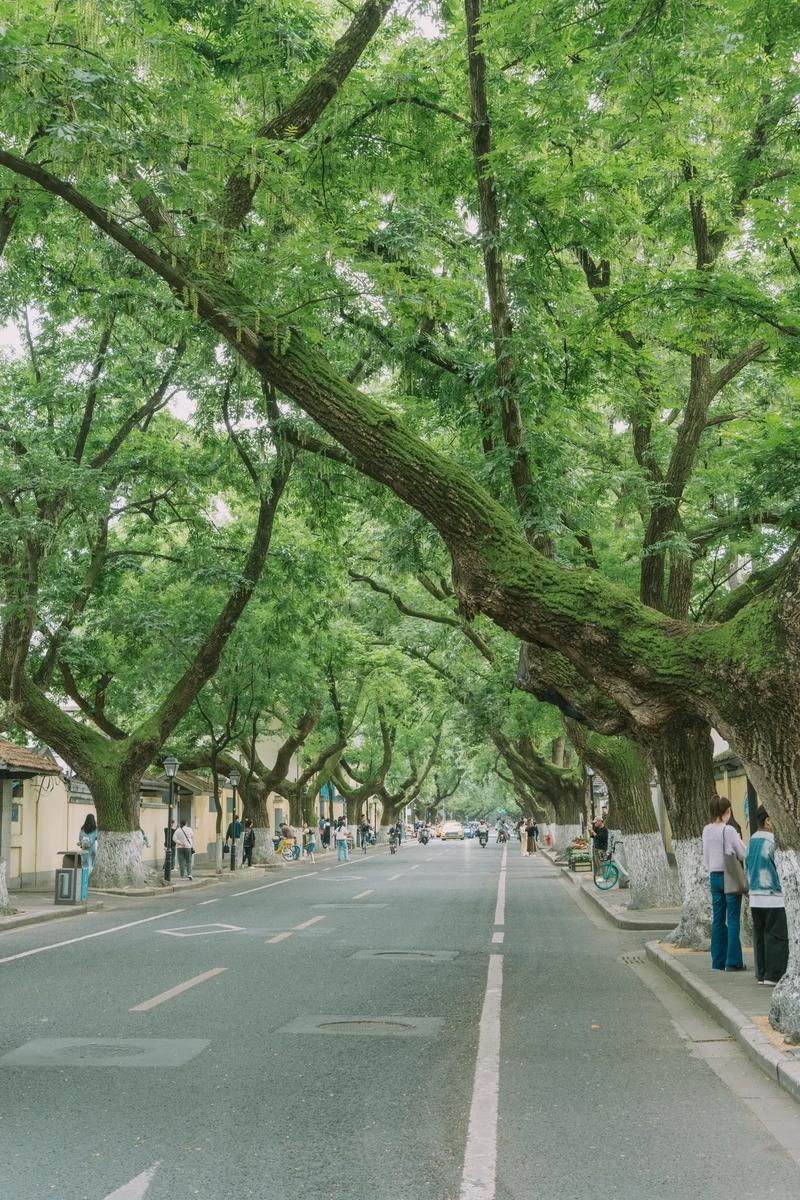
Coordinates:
[530,836]
[365,830]
[184,841]
[311,843]
[248,843]
[522,834]
[726,906]
[326,834]
[87,840]
[770,934]
[341,840]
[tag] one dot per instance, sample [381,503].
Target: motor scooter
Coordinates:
[423,837]
[483,837]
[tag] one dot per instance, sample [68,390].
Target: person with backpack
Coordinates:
[87,840]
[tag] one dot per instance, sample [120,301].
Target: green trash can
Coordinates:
[72,877]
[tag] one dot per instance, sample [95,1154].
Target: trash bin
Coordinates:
[72,878]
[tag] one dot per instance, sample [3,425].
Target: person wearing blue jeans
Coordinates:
[341,843]
[726,911]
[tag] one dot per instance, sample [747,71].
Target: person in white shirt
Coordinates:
[184,841]
[720,839]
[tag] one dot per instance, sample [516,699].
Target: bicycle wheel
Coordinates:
[287,854]
[609,878]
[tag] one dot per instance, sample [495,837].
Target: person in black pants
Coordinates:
[600,843]
[248,843]
[770,933]
[169,844]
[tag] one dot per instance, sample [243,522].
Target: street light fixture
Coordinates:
[233,778]
[171,765]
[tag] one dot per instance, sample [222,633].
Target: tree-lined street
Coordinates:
[596,1075]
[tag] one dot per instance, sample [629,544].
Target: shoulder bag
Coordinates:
[736,883]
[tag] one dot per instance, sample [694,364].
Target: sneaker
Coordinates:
[191,876]
[770,982]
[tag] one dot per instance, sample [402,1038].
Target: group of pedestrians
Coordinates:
[736,870]
[528,834]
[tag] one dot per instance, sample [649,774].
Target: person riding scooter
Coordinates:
[483,832]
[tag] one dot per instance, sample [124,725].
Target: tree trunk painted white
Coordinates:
[263,850]
[119,862]
[218,855]
[784,1013]
[694,929]
[6,908]
[653,883]
[564,834]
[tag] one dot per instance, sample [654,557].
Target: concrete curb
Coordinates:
[629,923]
[139,893]
[48,914]
[773,1062]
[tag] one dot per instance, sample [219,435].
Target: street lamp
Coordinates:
[171,765]
[233,777]
[590,777]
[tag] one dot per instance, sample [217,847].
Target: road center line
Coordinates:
[86,936]
[202,902]
[498,936]
[361,895]
[275,883]
[500,907]
[309,923]
[146,1005]
[279,937]
[416,866]
[392,878]
[480,1158]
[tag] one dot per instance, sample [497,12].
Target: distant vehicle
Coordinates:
[452,831]
[469,831]
[438,830]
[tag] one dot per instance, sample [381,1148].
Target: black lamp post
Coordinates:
[234,777]
[590,777]
[171,765]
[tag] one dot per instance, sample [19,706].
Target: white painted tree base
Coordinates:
[653,883]
[784,1013]
[6,907]
[263,851]
[694,929]
[119,862]
[563,835]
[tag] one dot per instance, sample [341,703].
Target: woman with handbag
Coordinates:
[724,854]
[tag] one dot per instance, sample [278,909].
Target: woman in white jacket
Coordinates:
[719,839]
[184,840]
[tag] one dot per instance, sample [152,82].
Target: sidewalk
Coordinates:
[737,1003]
[614,905]
[35,907]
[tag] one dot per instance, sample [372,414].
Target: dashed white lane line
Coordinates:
[135,1189]
[309,923]
[202,902]
[500,907]
[416,867]
[86,936]
[279,937]
[162,997]
[478,1181]
[275,883]
[392,878]
[498,937]
[361,895]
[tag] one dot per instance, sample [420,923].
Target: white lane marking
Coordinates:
[86,936]
[146,1005]
[500,907]
[361,895]
[137,1188]
[309,923]
[202,902]
[275,883]
[480,1157]
[279,937]
[187,931]
[416,867]
[392,878]
[498,936]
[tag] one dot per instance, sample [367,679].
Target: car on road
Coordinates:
[452,831]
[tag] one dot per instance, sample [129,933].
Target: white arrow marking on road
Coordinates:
[137,1188]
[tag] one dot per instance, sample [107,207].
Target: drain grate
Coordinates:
[632,960]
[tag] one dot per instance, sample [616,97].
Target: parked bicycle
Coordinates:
[605,870]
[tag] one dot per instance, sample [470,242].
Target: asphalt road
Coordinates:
[327,1048]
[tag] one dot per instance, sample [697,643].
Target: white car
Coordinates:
[452,831]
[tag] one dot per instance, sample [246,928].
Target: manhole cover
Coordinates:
[104,1050]
[408,956]
[367,1026]
[418,954]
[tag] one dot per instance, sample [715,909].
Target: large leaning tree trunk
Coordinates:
[627,772]
[742,675]
[684,761]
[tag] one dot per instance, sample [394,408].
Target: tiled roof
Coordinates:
[26,760]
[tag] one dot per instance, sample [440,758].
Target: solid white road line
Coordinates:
[361,895]
[309,923]
[416,866]
[137,1188]
[202,902]
[480,1158]
[146,1005]
[497,937]
[392,878]
[86,936]
[500,907]
[279,937]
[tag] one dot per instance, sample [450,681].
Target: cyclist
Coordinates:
[366,834]
[393,839]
